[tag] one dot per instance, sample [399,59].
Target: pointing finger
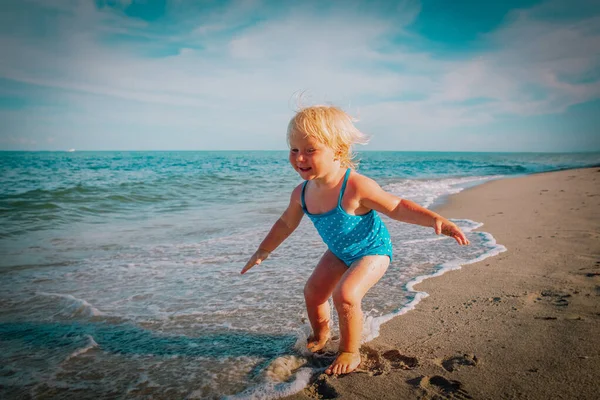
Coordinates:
[249,265]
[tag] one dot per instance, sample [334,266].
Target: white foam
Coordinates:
[473,225]
[427,191]
[301,338]
[272,390]
[435,239]
[282,368]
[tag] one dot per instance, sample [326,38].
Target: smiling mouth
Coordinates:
[304,169]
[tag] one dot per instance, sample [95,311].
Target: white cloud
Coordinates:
[226,77]
[527,53]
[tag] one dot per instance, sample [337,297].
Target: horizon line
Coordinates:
[282,150]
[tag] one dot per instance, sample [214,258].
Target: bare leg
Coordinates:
[347,297]
[317,291]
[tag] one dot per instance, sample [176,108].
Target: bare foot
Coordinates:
[316,343]
[344,364]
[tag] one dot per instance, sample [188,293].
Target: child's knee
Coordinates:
[308,291]
[346,299]
[312,294]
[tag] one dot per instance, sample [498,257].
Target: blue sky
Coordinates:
[217,75]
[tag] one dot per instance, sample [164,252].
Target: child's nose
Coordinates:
[300,157]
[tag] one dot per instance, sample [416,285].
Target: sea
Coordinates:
[120,271]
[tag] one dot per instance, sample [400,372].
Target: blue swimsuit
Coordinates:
[351,237]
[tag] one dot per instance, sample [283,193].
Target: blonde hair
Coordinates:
[330,126]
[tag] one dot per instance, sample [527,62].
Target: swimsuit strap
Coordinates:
[343,187]
[302,196]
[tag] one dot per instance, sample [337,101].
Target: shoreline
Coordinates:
[517,325]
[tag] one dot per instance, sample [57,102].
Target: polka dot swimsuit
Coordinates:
[351,237]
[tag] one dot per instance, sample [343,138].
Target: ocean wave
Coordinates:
[22,267]
[74,307]
[91,345]
[427,191]
[26,211]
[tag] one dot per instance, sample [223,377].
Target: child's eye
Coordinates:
[294,150]
[310,151]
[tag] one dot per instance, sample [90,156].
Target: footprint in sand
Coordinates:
[399,361]
[451,364]
[439,387]
[375,362]
[559,299]
[321,389]
[372,362]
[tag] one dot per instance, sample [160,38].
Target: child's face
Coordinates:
[311,158]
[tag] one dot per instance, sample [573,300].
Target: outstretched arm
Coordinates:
[374,197]
[283,227]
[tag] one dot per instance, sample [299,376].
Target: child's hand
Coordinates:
[258,257]
[445,227]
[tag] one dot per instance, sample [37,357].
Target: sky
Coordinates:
[228,75]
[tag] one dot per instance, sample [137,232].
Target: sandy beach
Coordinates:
[524,324]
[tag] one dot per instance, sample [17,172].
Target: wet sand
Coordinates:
[524,324]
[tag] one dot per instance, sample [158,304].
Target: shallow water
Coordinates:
[120,270]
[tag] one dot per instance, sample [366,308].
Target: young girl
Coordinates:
[342,204]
